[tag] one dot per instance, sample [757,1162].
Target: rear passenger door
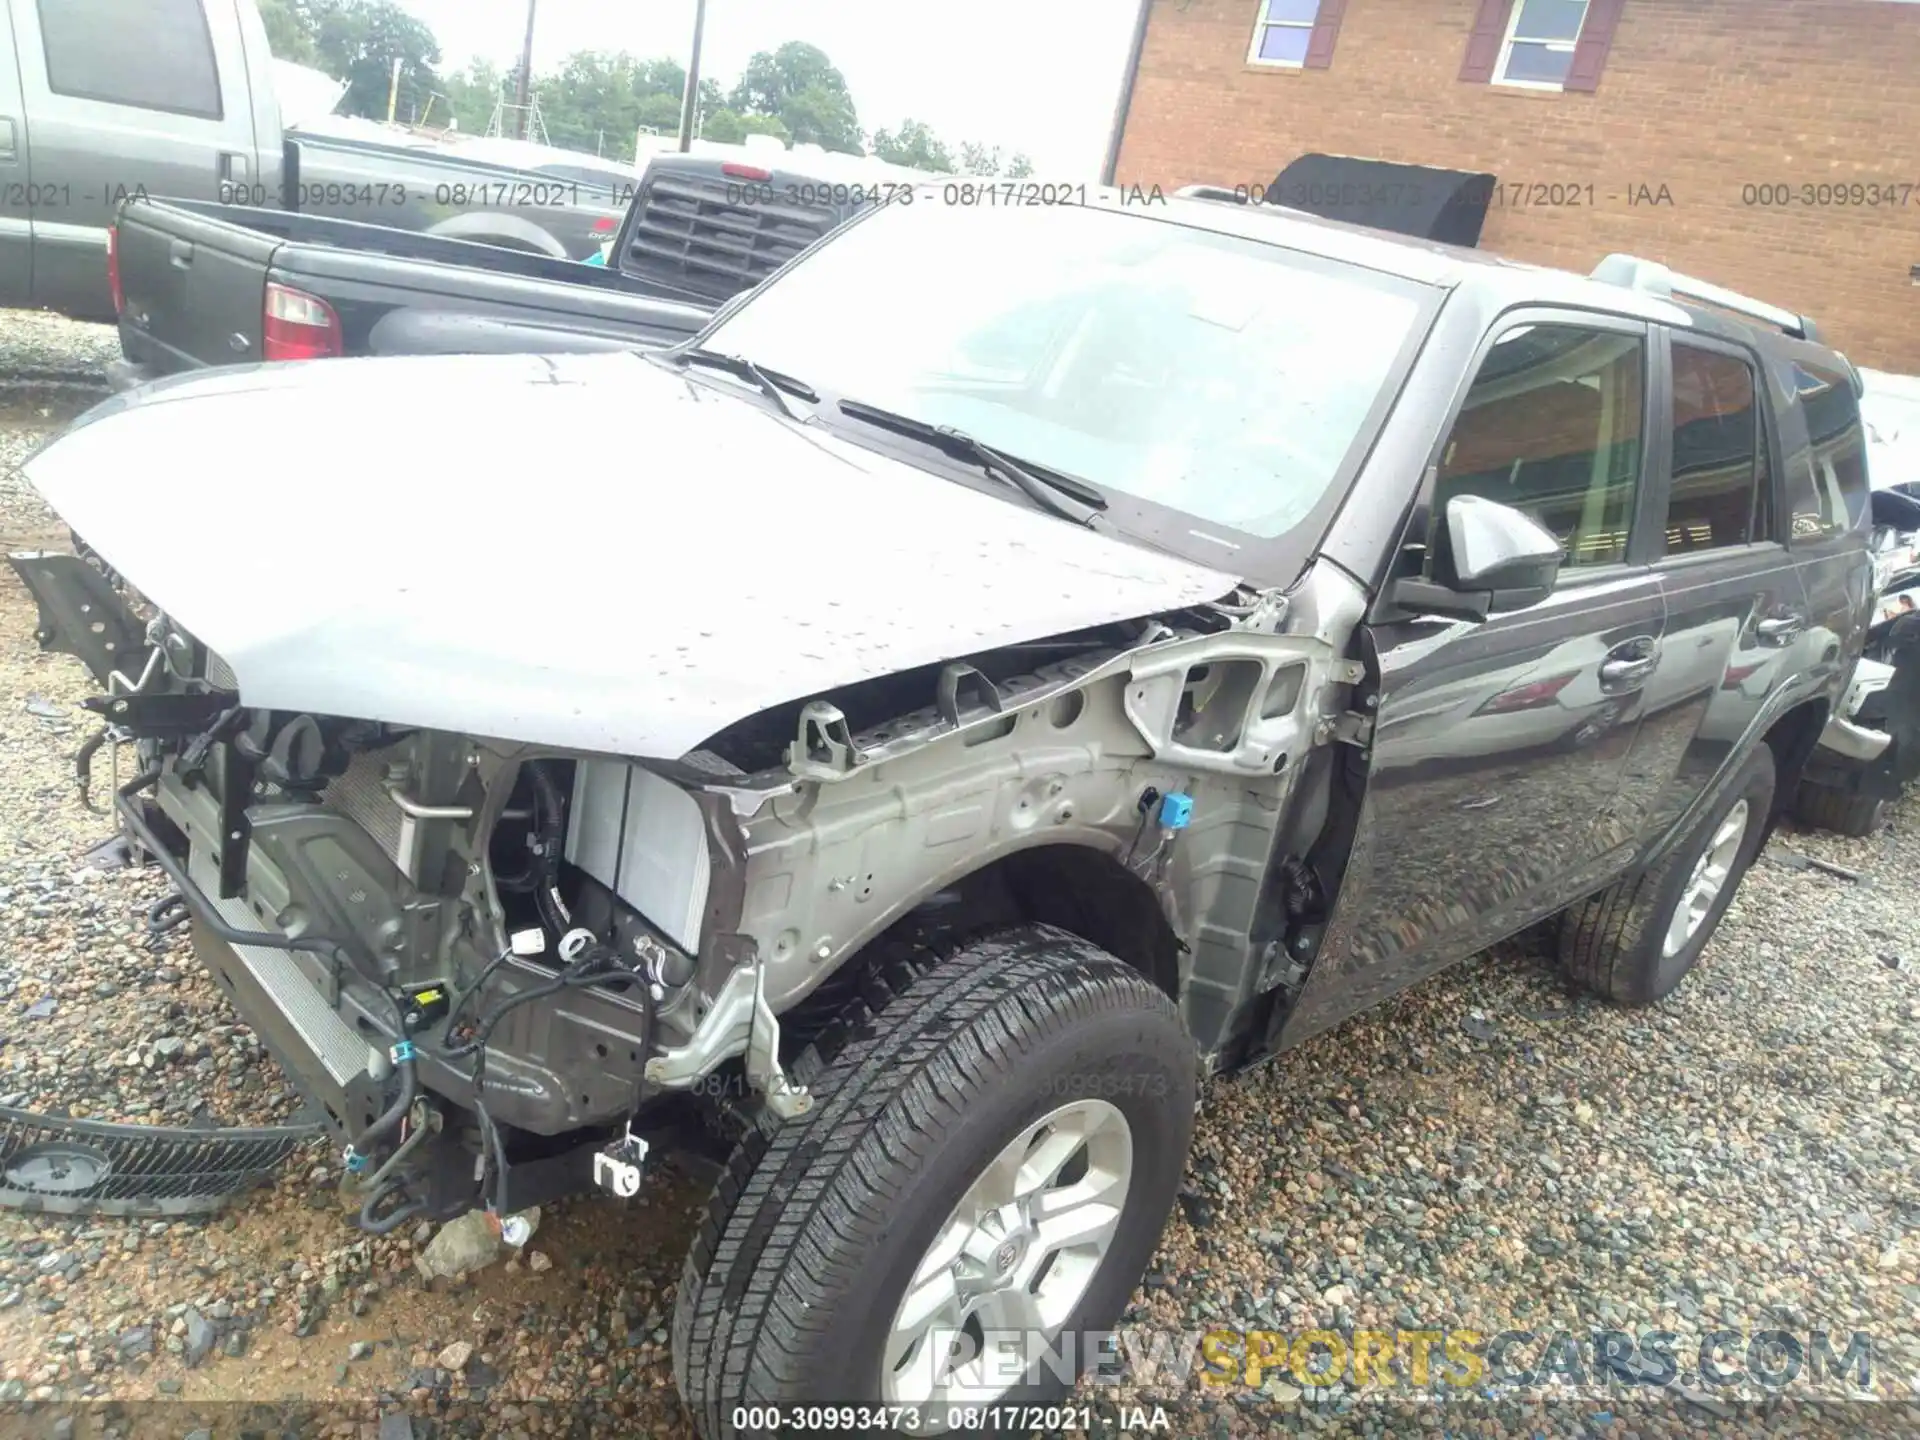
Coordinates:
[1737,618]
[1827,506]
[126,97]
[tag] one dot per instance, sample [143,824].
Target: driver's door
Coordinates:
[1499,746]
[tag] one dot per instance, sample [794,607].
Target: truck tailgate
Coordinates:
[197,281]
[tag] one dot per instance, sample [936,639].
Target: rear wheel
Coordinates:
[1637,939]
[995,1142]
[1844,812]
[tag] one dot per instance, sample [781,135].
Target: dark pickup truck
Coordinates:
[198,284]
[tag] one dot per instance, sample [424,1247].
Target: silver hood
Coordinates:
[583,551]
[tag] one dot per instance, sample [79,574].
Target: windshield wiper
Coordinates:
[1057,494]
[770,383]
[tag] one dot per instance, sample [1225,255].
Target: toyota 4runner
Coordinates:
[1039,657]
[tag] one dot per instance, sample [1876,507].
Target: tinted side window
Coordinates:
[154,54]
[1839,451]
[1721,481]
[1552,427]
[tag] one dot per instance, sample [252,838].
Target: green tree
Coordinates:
[730,127]
[290,33]
[358,41]
[596,101]
[471,95]
[800,86]
[914,144]
[976,159]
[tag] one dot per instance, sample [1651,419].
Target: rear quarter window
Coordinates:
[1835,500]
[150,54]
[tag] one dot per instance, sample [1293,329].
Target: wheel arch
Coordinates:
[1792,738]
[1077,886]
[1091,894]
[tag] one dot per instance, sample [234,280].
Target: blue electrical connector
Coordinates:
[403,1052]
[353,1160]
[1175,811]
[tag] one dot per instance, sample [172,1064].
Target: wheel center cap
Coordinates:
[1005,1257]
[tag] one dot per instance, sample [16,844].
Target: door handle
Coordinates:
[1781,627]
[1629,663]
[1626,674]
[233,166]
[8,143]
[181,253]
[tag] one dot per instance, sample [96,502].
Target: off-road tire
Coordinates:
[1843,812]
[1610,943]
[812,1233]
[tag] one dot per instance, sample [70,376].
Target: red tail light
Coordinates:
[113,269]
[298,326]
[740,171]
[605,225]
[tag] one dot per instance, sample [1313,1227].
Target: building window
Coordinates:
[1283,32]
[1538,51]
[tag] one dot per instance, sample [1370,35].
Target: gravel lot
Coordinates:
[1490,1151]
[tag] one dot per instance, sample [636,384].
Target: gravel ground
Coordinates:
[1490,1151]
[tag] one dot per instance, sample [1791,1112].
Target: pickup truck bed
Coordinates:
[194,277]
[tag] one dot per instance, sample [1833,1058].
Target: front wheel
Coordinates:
[996,1141]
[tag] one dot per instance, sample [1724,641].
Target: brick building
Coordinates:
[1769,145]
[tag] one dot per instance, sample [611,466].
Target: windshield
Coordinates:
[1225,378]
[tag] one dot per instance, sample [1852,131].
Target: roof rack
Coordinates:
[1652,278]
[1212,192]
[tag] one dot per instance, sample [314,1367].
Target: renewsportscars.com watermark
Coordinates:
[1457,1362]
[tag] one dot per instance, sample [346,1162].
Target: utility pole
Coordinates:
[526,70]
[690,102]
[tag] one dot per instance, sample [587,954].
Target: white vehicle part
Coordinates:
[642,838]
[1870,677]
[1842,734]
[731,569]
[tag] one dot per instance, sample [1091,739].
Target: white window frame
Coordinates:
[1513,33]
[1261,24]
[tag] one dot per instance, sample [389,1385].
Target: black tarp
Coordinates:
[1419,200]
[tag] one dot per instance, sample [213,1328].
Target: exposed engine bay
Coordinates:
[505,971]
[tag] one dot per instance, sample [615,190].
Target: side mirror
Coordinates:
[1494,559]
[1495,547]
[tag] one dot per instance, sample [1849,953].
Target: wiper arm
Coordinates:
[776,387]
[1070,499]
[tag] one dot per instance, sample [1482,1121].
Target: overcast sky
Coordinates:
[1034,75]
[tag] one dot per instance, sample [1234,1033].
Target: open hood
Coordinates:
[579,550]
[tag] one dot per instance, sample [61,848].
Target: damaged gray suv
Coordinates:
[1016,663]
